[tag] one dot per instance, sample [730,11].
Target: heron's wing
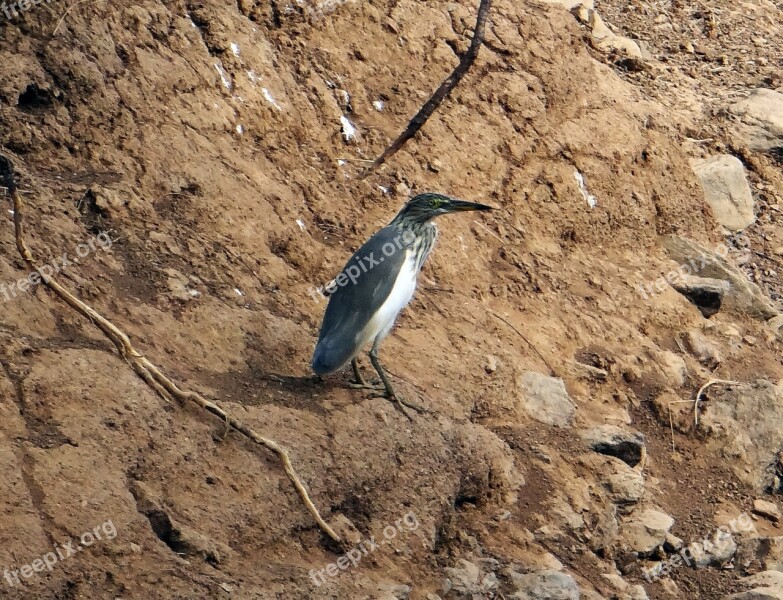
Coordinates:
[368,280]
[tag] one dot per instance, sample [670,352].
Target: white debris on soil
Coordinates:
[235,49]
[592,201]
[270,98]
[224,77]
[378,105]
[349,131]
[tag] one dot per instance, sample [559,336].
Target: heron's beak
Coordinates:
[462,205]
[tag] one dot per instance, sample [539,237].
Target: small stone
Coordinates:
[571,4]
[625,484]
[616,581]
[605,39]
[761,114]
[673,367]
[768,510]
[435,166]
[646,531]
[669,587]
[544,585]
[713,551]
[491,365]
[766,585]
[702,349]
[688,47]
[402,189]
[739,295]
[636,592]
[776,325]
[392,591]
[344,528]
[673,543]
[581,13]
[545,399]
[611,440]
[750,340]
[466,580]
[727,191]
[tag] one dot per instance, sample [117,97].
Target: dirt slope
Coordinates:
[206,141]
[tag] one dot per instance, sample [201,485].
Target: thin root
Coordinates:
[151,375]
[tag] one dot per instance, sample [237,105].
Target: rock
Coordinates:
[761,116]
[646,531]
[628,591]
[581,13]
[766,509]
[611,440]
[670,587]
[605,39]
[705,293]
[571,4]
[345,528]
[767,585]
[761,553]
[588,372]
[673,543]
[702,349]
[712,551]
[672,366]
[758,594]
[726,190]
[544,585]
[392,591]
[467,580]
[545,399]
[179,285]
[749,444]
[743,296]
[776,325]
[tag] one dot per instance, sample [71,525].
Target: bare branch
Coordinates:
[441,93]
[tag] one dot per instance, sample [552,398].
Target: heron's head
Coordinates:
[427,206]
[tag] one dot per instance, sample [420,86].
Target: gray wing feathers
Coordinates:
[352,305]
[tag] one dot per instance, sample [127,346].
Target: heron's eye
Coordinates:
[435,203]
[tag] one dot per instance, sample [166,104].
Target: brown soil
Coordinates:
[120,122]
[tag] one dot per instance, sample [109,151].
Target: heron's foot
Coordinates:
[404,405]
[376,386]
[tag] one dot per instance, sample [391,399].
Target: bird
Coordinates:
[376,283]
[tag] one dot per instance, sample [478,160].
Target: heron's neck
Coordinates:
[419,238]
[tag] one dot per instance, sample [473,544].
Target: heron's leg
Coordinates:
[360,383]
[390,393]
[357,374]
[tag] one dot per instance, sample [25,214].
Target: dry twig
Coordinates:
[142,366]
[552,372]
[441,93]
